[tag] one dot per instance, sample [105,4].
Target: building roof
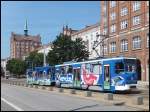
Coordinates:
[20,37]
[86,28]
[46,46]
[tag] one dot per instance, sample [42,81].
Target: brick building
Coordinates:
[21,45]
[127,24]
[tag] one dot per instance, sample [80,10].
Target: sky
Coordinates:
[45,18]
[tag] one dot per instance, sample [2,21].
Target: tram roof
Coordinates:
[88,61]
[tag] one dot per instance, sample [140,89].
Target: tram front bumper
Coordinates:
[125,87]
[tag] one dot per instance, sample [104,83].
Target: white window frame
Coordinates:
[124,24]
[136,5]
[136,20]
[113,47]
[105,49]
[113,16]
[104,31]
[122,1]
[147,3]
[136,42]
[147,40]
[124,45]
[112,4]
[124,11]
[147,16]
[113,28]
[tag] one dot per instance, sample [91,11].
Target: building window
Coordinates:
[113,47]
[113,16]
[124,45]
[147,2]
[91,37]
[112,4]
[136,20]
[124,24]
[22,43]
[147,16]
[136,42]
[105,49]
[147,39]
[124,11]
[104,31]
[104,8]
[113,28]
[35,44]
[136,5]
[122,1]
[17,43]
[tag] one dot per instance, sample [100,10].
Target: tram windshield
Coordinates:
[130,65]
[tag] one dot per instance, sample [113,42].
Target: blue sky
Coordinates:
[45,18]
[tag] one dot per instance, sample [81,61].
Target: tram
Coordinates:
[108,74]
[41,76]
[29,77]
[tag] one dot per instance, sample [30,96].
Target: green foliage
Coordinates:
[35,59]
[64,49]
[16,66]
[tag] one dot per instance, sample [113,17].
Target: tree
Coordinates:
[64,49]
[34,58]
[16,66]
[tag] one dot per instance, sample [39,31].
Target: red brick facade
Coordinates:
[21,45]
[130,32]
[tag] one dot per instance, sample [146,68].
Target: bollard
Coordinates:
[43,87]
[88,93]
[36,86]
[31,86]
[108,96]
[73,91]
[61,90]
[50,88]
[26,85]
[18,84]
[138,100]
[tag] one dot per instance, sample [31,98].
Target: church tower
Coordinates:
[26,29]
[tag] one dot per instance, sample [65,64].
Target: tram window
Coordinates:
[107,71]
[96,69]
[88,67]
[70,69]
[62,70]
[130,68]
[119,67]
[76,74]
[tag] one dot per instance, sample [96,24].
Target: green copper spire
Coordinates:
[26,28]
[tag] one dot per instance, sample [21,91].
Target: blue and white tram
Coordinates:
[110,74]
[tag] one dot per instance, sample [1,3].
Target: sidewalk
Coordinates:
[143,85]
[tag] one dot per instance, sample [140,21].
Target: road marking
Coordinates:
[12,105]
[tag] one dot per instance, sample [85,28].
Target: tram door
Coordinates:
[106,76]
[76,78]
